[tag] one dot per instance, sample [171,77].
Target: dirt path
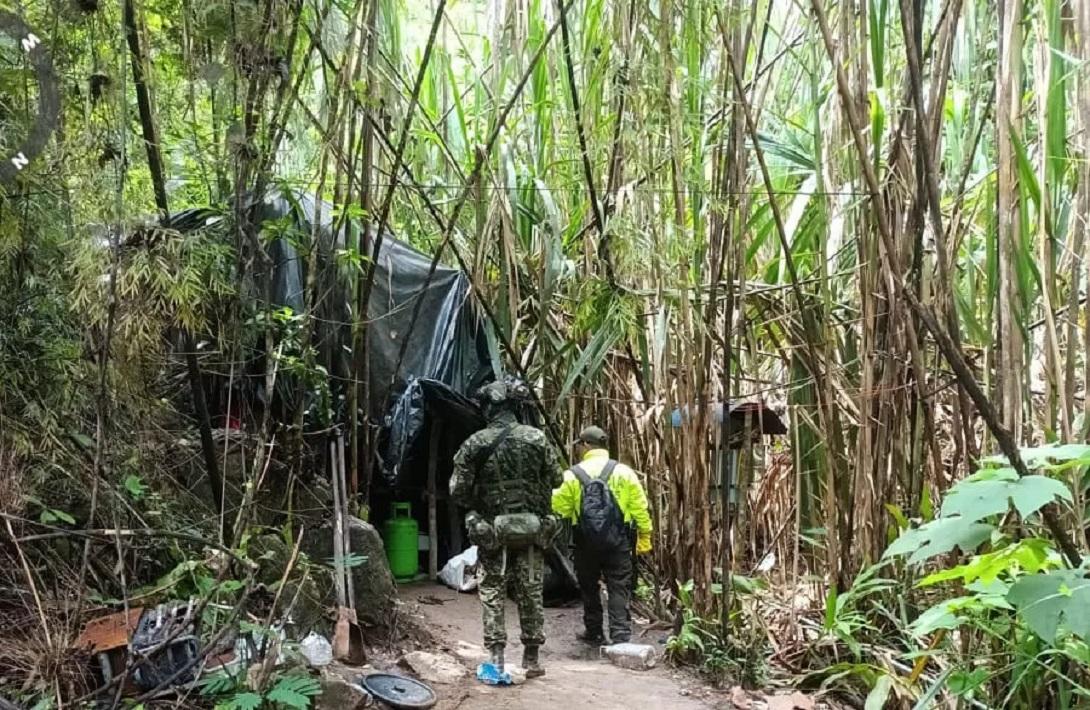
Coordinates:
[576,677]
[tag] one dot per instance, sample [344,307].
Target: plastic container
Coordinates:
[400,532]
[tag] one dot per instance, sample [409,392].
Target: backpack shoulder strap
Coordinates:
[580,475]
[491,449]
[607,471]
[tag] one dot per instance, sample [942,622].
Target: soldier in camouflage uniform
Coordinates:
[508,468]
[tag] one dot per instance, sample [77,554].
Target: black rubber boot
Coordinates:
[595,639]
[496,656]
[531,662]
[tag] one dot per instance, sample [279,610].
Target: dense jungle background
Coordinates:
[867,216]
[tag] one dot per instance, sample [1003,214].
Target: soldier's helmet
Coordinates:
[508,392]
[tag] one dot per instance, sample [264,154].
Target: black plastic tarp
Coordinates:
[425,402]
[447,342]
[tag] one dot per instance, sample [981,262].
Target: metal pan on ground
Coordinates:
[398,691]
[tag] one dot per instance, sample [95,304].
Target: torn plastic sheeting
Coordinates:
[404,445]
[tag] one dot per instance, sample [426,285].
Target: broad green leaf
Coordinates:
[82,439]
[927,508]
[938,537]
[1030,555]
[1054,600]
[940,616]
[898,515]
[976,499]
[1048,456]
[52,515]
[879,694]
[951,613]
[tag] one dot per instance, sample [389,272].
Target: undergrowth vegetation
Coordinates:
[867,216]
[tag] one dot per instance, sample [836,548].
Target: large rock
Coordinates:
[434,667]
[341,694]
[633,656]
[373,583]
[309,587]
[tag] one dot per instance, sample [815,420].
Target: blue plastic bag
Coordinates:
[489,674]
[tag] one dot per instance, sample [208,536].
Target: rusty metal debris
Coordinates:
[107,640]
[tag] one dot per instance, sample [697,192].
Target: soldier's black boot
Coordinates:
[531,662]
[496,656]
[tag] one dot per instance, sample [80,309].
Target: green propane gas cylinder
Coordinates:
[401,532]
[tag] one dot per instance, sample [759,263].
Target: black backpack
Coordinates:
[600,527]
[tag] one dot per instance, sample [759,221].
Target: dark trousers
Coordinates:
[616,568]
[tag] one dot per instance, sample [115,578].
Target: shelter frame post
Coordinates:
[433,525]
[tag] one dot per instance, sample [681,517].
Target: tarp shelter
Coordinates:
[446,343]
[416,388]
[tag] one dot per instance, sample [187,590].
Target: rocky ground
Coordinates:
[576,674]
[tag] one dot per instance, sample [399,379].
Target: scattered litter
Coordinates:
[767,563]
[167,637]
[460,571]
[490,675]
[517,673]
[398,691]
[633,656]
[317,650]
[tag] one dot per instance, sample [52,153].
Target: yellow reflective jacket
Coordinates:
[625,486]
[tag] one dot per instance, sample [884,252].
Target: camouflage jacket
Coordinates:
[519,476]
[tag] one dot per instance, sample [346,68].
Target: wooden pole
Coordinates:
[433,525]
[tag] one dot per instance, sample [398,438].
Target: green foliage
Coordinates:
[349,560]
[737,652]
[985,495]
[1012,595]
[938,537]
[848,615]
[135,487]
[1052,601]
[292,690]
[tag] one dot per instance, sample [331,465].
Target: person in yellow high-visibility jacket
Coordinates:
[604,540]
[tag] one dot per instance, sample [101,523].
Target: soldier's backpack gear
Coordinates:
[518,531]
[600,527]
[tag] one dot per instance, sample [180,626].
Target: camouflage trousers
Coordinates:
[524,570]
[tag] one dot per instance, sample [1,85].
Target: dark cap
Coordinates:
[592,435]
